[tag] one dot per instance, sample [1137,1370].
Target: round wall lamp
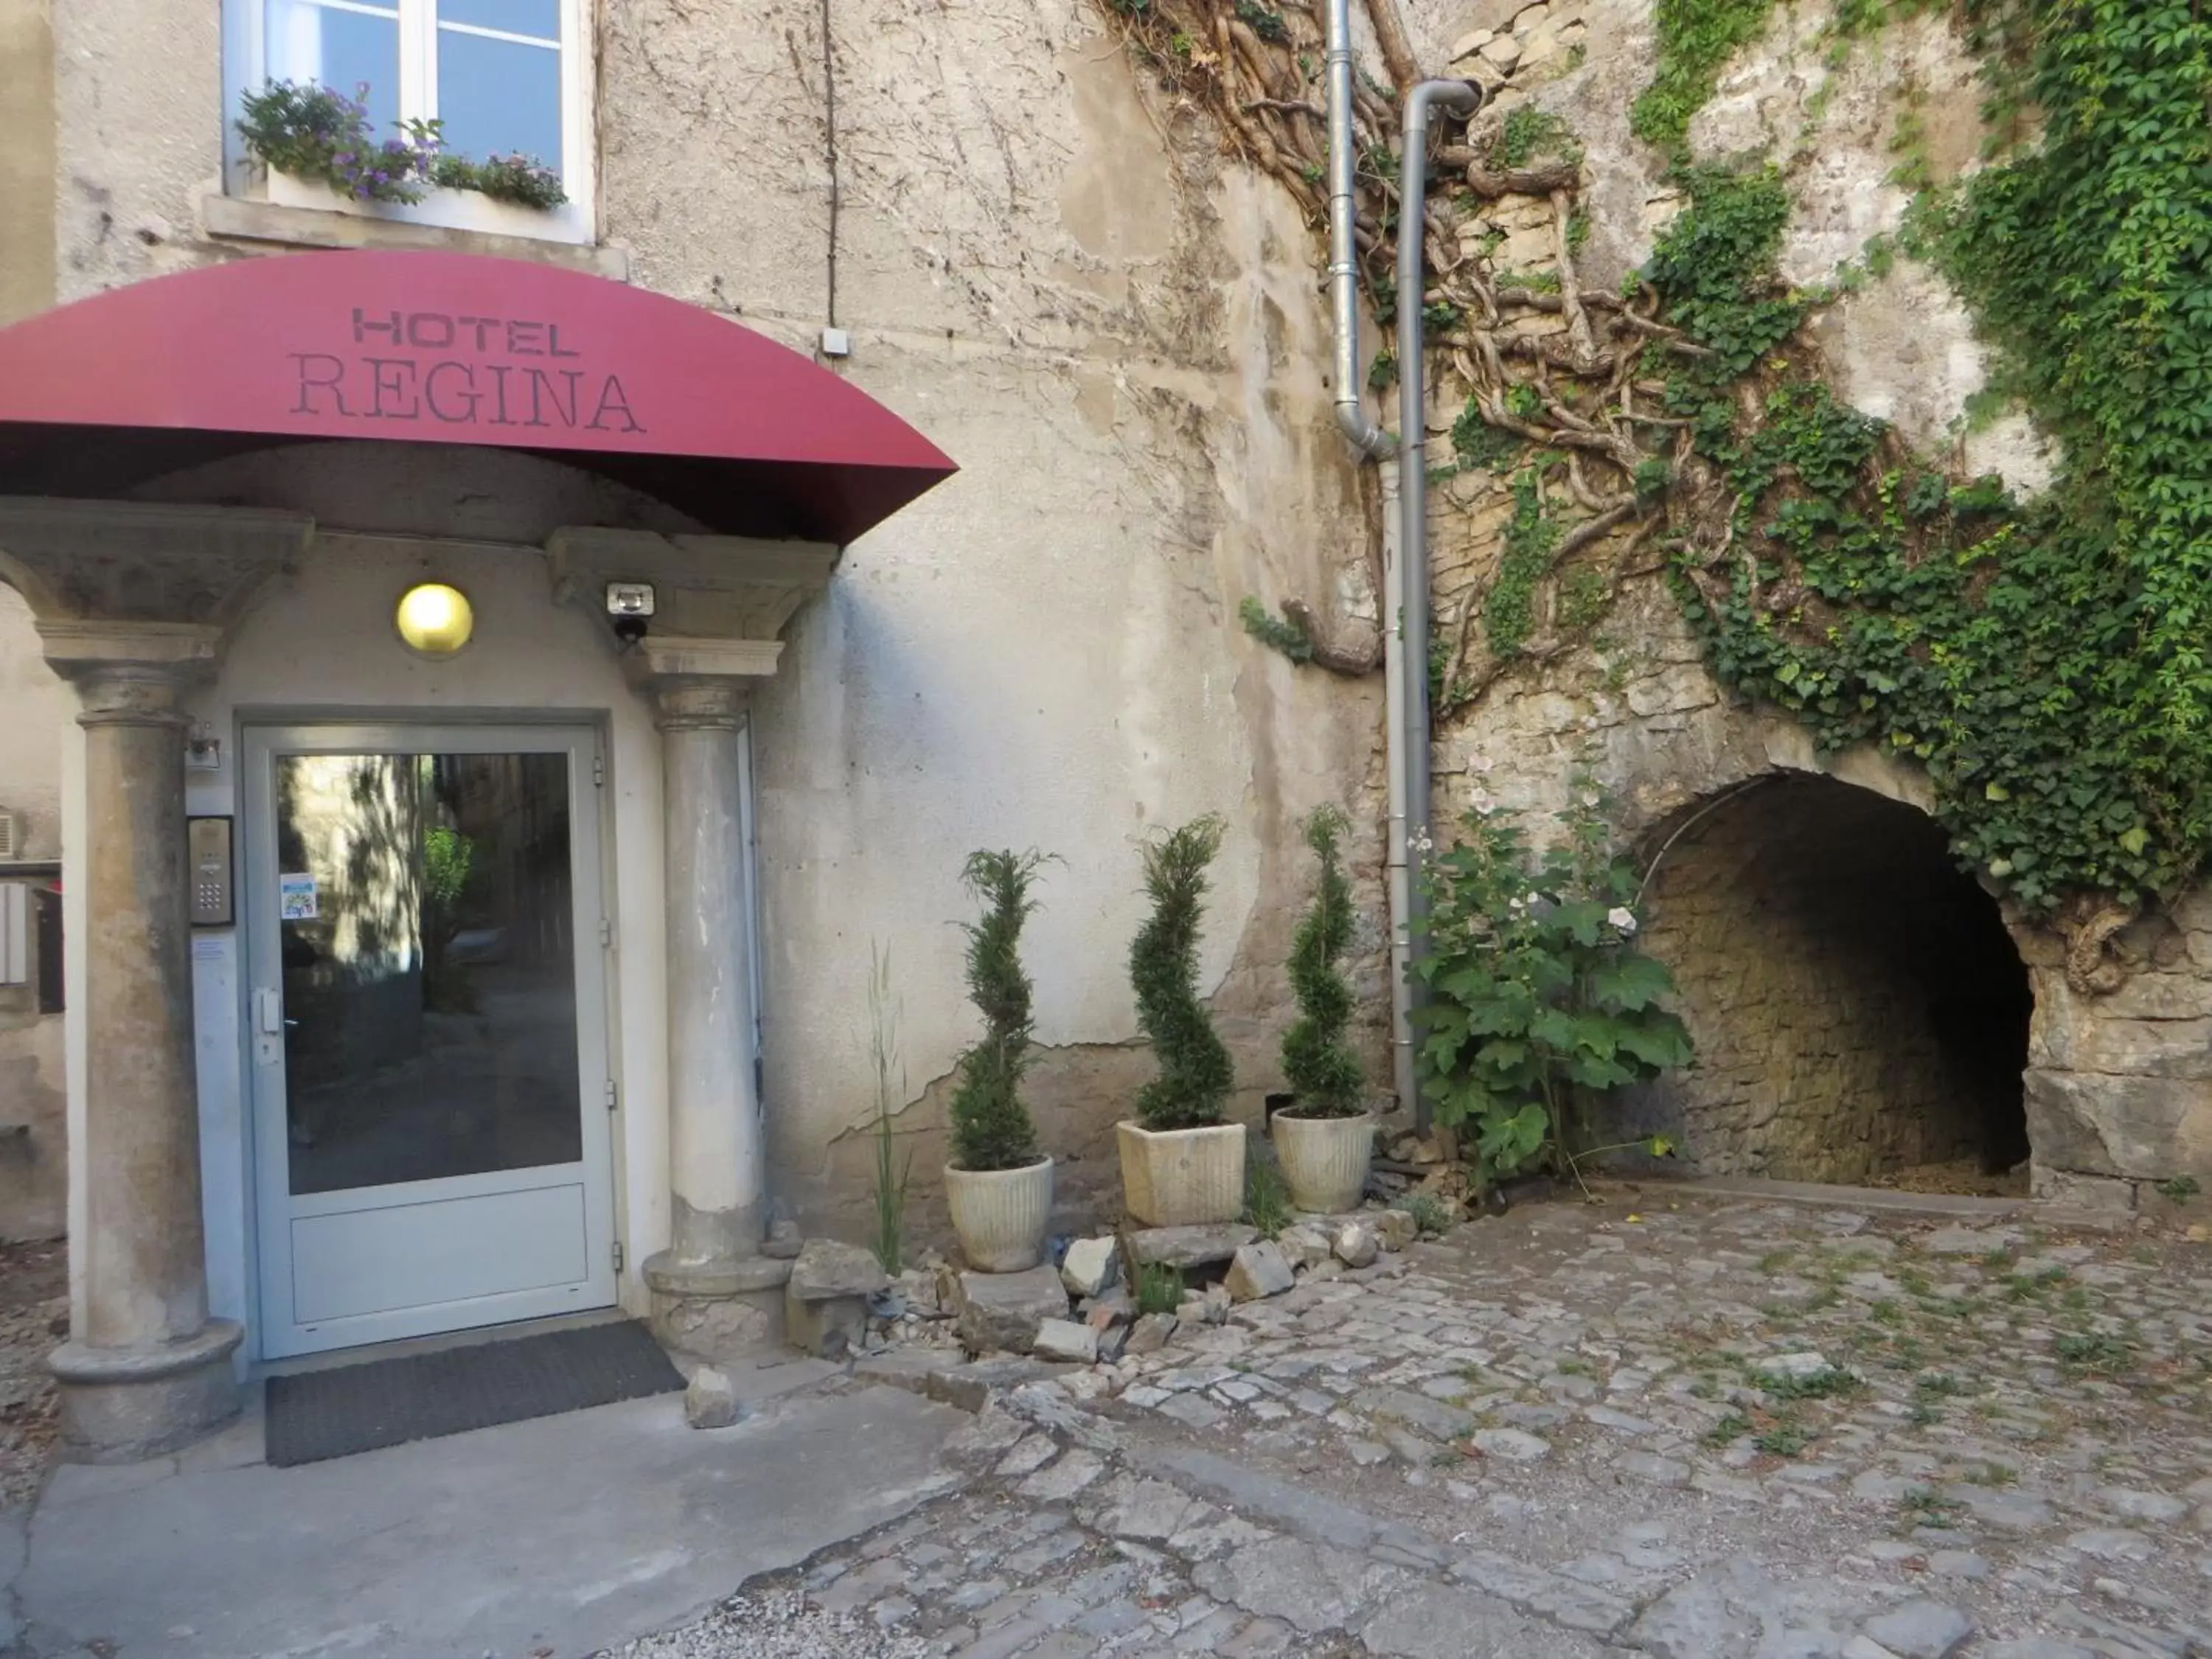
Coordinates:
[435,619]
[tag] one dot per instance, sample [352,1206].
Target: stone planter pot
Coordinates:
[1177,1177]
[1000,1215]
[1324,1159]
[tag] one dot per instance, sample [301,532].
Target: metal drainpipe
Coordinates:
[1464,97]
[1406,698]
[1371,440]
[1373,443]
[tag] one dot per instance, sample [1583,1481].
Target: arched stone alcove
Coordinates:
[1861,1011]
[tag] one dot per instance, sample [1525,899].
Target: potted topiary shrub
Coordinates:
[997,1185]
[1180,1163]
[1325,1139]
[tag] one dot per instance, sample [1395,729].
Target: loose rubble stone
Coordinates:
[1258,1271]
[1395,1229]
[1003,1311]
[1921,1629]
[1063,1338]
[1354,1244]
[1303,1245]
[1092,1266]
[1191,1247]
[710,1400]
[1150,1334]
[825,1268]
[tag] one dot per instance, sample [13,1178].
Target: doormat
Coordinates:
[316,1415]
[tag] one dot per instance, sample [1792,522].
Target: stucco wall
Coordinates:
[1120,340]
[1047,264]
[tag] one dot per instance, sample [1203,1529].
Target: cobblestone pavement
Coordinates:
[33,1319]
[1707,1430]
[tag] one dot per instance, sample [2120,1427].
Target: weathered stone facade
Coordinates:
[1814,980]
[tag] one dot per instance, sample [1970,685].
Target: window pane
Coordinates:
[430,998]
[541,18]
[496,98]
[341,50]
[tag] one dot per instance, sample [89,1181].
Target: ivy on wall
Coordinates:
[2047,662]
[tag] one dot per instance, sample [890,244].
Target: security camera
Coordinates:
[629,604]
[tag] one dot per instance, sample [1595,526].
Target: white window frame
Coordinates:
[246,59]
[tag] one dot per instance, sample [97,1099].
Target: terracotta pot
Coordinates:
[1177,1177]
[1324,1159]
[1000,1215]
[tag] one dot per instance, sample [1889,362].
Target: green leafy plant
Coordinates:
[522,179]
[2179,1189]
[991,1127]
[889,1240]
[2045,663]
[1160,1288]
[1532,537]
[1696,38]
[1278,632]
[1431,1215]
[1540,999]
[313,132]
[1317,1062]
[1195,1073]
[449,870]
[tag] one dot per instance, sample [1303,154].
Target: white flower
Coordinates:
[1481,800]
[1622,917]
[1478,763]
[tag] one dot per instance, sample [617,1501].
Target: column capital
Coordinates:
[140,564]
[129,673]
[693,702]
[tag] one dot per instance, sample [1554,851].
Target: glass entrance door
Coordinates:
[427,1030]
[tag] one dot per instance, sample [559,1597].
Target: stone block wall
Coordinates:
[1839,990]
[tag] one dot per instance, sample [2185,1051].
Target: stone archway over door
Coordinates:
[1859,1007]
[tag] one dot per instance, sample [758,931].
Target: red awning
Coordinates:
[741,432]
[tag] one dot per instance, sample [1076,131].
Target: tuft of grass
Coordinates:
[1785,1439]
[1266,1199]
[1827,1385]
[1431,1215]
[1730,1430]
[1924,1506]
[1160,1288]
[2092,1352]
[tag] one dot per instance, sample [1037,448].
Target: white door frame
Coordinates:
[281,1334]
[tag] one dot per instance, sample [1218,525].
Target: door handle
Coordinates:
[268,1012]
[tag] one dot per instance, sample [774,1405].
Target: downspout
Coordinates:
[1464,98]
[1406,701]
[1368,439]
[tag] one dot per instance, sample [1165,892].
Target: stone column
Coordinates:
[146,1370]
[712,1291]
